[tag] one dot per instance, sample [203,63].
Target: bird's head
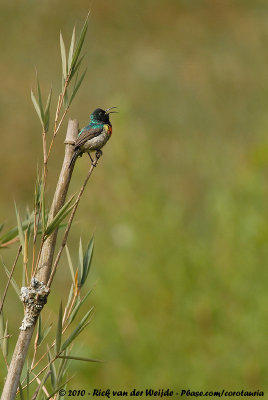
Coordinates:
[100,115]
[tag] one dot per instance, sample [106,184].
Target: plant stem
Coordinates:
[10,277]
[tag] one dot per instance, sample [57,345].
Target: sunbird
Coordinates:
[94,136]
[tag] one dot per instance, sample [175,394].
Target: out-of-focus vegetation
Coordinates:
[178,203]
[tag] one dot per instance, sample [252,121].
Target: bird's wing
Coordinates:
[87,134]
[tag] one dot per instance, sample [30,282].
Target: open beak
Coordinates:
[111,112]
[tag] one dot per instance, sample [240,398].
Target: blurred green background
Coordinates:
[178,203]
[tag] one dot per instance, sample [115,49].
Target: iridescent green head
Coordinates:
[101,116]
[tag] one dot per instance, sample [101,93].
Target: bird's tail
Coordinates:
[74,157]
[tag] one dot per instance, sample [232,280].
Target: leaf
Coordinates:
[77,307]
[71,50]
[80,43]
[59,217]
[58,388]
[70,297]
[12,233]
[53,375]
[80,358]
[59,330]
[13,282]
[77,87]
[2,324]
[83,323]
[21,392]
[80,260]
[28,384]
[5,342]
[63,57]
[87,261]
[36,106]
[47,111]
[38,393]
[40,99]
[70,262]
[1,227]
[20,230]
[76,67]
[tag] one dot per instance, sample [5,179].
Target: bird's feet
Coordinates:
[98,154]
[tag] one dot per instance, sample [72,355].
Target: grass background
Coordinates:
[179,202]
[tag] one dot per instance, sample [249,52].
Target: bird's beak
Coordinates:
[111,112]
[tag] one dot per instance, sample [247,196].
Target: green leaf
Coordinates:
[62,369]
[20,230]
[80,43]
[70,262]
[53,374]
[28,384]
[59,217]
[12,233]
[77,307]
[87,261]
[38,392]
[80,260]
[58,388]
[70,297]
[80,358]
[40,99]
[76,67]
[71,51]
[5,342]
[77,87]
[21,392]
[13,282]
[37,108]
[59,330]
[63,57]
[47,111]
[83,323]
[2,324]
[1,227]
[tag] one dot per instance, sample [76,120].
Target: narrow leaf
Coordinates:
[59,217]
[53,374]
[58,388]
[59,330]
[21,392]
[80,358]
[12,233]
[77,330]
[87,261]
[71,51]
[47,111]
[80,43]
[1,227]
[76,67]
[36,106]
[63,57]
[38,393]
[5,342]
[80,261]
[40,99]
[13,282]
[20,229]
[77,307]
[77,87]
[70,262]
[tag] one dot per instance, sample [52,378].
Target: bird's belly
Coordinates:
[96,143]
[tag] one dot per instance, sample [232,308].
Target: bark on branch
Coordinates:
[44,265]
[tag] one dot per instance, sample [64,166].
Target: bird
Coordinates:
[94,135]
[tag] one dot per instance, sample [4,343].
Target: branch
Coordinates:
[44,265]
